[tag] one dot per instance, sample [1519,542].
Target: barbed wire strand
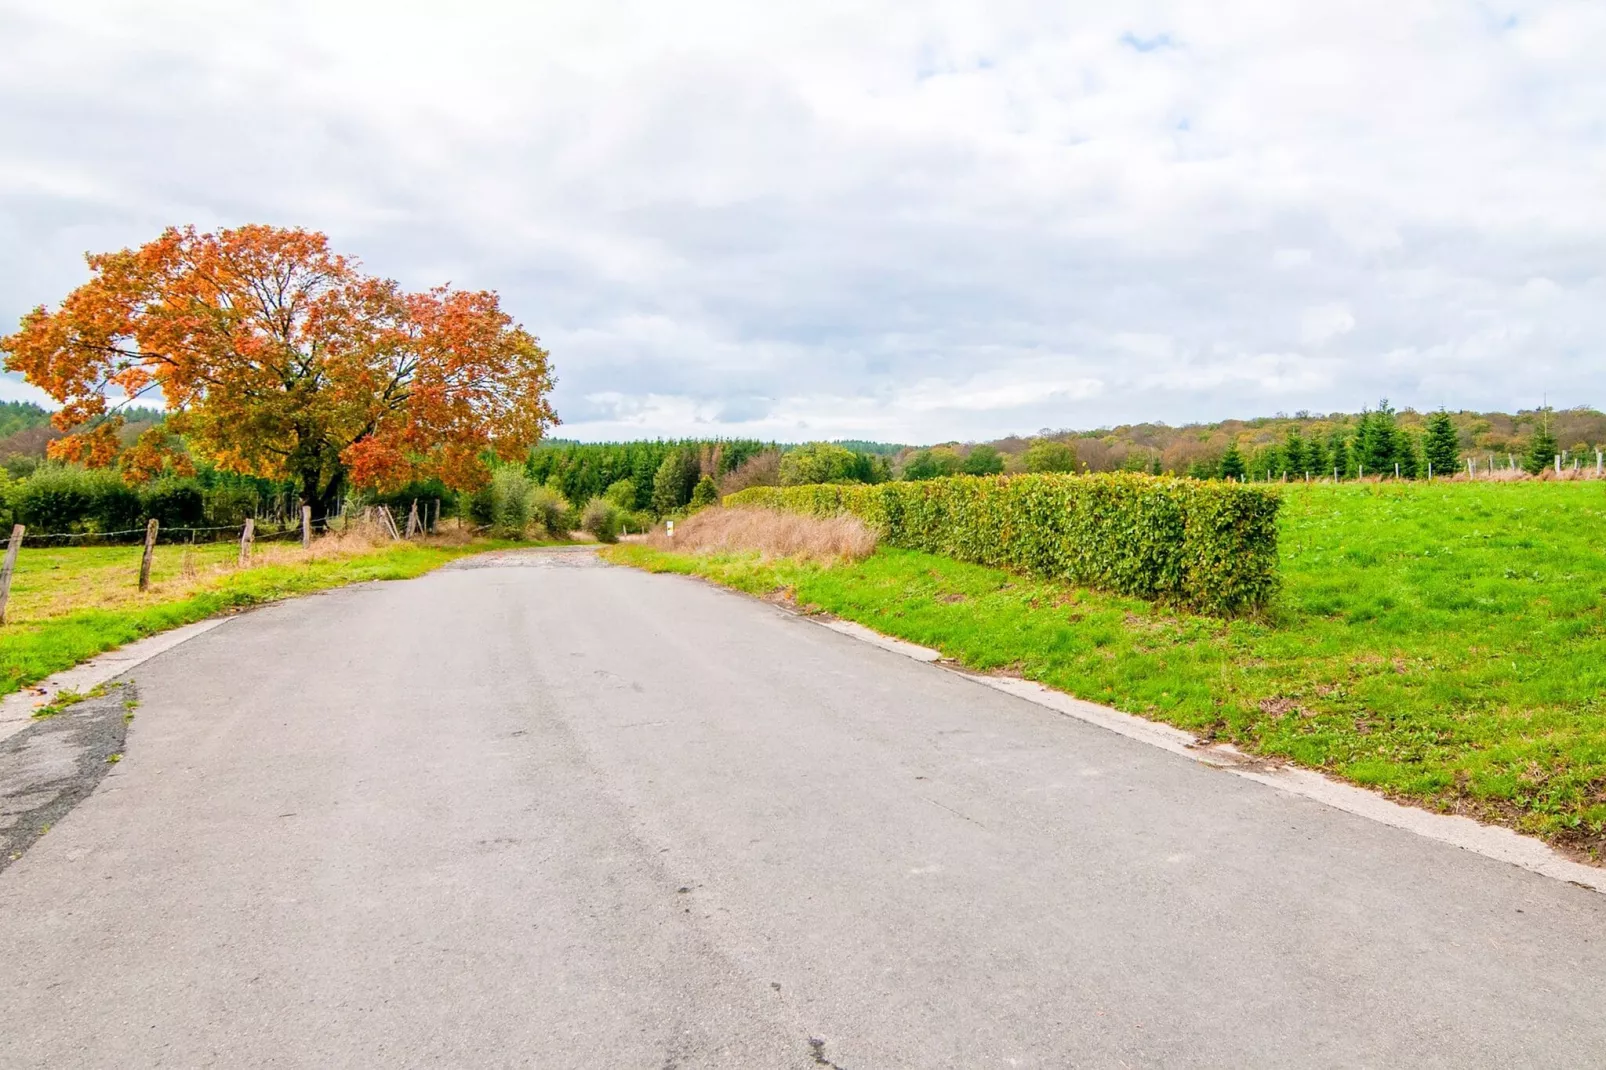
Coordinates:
[259,536]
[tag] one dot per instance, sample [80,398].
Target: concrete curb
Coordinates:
[16,709]
[1491,841]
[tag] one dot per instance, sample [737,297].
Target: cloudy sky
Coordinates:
[911,222]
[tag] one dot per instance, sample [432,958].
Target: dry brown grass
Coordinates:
[759,470]
[772,534]
[1548,475]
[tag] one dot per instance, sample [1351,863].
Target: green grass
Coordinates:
[1444,643]
[70,604]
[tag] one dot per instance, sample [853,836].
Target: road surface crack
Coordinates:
[817,1051]
[956,813]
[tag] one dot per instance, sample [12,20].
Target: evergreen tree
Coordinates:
[1232,463]
[1340,457]
[1542,448]
[1266,463]
[1408,453]
[1379,440]
[673,482]
[1295,452]
[1443,448]
[1154,464]
[643,470]
[1316,461]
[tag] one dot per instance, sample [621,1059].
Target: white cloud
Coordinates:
[1320,324]
[946,220]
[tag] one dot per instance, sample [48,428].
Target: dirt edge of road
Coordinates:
[56,762]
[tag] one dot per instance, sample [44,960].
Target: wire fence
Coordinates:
[165,535]
[247,534]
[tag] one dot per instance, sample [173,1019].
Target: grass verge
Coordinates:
[1445,644]
[70,604]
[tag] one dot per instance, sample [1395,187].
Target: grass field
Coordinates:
[1445,643]
[69,604]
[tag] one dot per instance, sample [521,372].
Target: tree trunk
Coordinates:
[323,499]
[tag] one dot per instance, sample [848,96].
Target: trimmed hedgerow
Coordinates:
[1209,546]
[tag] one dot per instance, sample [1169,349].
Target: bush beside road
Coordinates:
[1443,643]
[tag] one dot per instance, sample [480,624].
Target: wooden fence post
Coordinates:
[11,563]
[246,538]
[413,525]
[435,519]
[306,526]
[150,548]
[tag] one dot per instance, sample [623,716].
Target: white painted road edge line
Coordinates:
[16,709]
[1491,841]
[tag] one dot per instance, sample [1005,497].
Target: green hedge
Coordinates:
[1209,546]
[58,499]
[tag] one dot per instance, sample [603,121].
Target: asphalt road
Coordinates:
[566,816]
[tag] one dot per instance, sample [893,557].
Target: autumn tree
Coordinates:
[276,357]
[1048,455]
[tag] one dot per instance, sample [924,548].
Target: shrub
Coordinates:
[706,493]
[621,492]
[510,502]
[61,499]
[819,462]
[229,505]
[552,511]
[1210,546]
[174,503]
[602,519]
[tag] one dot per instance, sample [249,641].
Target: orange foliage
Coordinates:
[278,358]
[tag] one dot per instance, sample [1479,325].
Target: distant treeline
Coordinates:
[26,431]
[1262,444]
[19,416]
[582,471]
[877,449]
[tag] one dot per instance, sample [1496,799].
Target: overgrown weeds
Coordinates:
[771,534]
